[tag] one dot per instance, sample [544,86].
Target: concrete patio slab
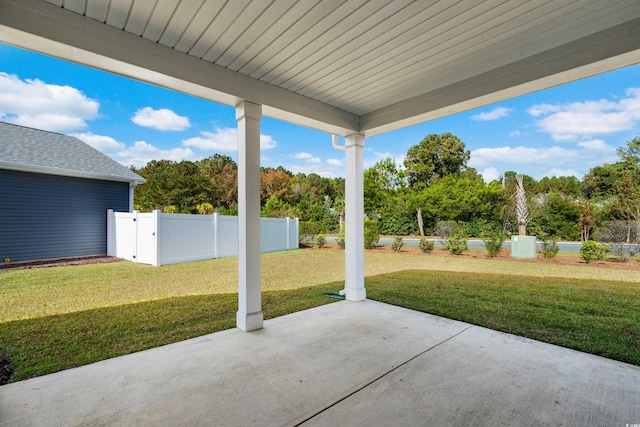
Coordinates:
[346,363]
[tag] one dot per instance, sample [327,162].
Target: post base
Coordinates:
[249,322]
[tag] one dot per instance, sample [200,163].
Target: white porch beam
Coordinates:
[249,316]
[354,215]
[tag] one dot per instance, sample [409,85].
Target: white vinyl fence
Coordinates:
[158,238]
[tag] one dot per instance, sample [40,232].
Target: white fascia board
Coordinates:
[42,27]
[67,172]
[598,53]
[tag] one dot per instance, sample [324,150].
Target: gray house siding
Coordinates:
[48,216]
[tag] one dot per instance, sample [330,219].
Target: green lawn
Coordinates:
[56,318]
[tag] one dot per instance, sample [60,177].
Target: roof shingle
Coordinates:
[33,150]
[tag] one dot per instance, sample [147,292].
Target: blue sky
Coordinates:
[560,131]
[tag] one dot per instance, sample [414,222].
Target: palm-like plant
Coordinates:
[522,211]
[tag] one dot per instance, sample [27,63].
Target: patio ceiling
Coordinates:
[367,66]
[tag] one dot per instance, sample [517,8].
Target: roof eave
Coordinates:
[67,172]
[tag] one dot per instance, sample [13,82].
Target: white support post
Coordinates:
[354,207]
[249,316]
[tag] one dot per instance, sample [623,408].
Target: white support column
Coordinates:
[249,316]
[354,207]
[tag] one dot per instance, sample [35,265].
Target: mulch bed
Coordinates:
[95,259]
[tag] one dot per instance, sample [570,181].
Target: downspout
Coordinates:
[334,142]
[132,186]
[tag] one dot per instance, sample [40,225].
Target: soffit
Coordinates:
[356,65]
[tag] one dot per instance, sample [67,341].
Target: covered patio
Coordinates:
[347,363]
[353,69]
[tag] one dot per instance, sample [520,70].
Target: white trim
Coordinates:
[66,172]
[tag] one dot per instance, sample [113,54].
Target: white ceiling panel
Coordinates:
[119,13]
[339,65]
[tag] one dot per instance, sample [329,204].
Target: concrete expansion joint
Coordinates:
[393,368]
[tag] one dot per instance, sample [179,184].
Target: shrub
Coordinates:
[308,231]
[476,227]
[340,240]
[623,238]
[426,246]
[493,242]
[549,248]
[456,245]
[371,234]
[397,244]
[321,241]
[592,251]
[446,229]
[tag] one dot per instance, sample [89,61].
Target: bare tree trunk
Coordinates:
[420,223]
[522,228]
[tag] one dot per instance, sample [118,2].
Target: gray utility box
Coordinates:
[523,246]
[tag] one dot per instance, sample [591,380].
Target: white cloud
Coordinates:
[102,143]
[162,119]
[37,104]
[494,114]
[335,162]
[224,139]
[539,162]
[320,169]
[543,109]
[267,142]
[488,157]
[490,174]
[308,158]
[597,145]
[515,134]
[569,122]
[142,152]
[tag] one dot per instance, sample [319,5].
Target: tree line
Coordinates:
[433,186]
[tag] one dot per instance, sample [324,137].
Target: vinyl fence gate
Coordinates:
[159,238]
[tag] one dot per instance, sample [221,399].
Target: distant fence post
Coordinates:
[288,234]
[215,235]
[135,235]
[156,247]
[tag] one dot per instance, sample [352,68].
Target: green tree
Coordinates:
[276,183]
[625,204]
[275,208]
[630,153]
[221,173]
[312,186]
[557,216]
[454,198]
[436,156]
[382,182]
[600,182]
[567,185]
[179,184]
